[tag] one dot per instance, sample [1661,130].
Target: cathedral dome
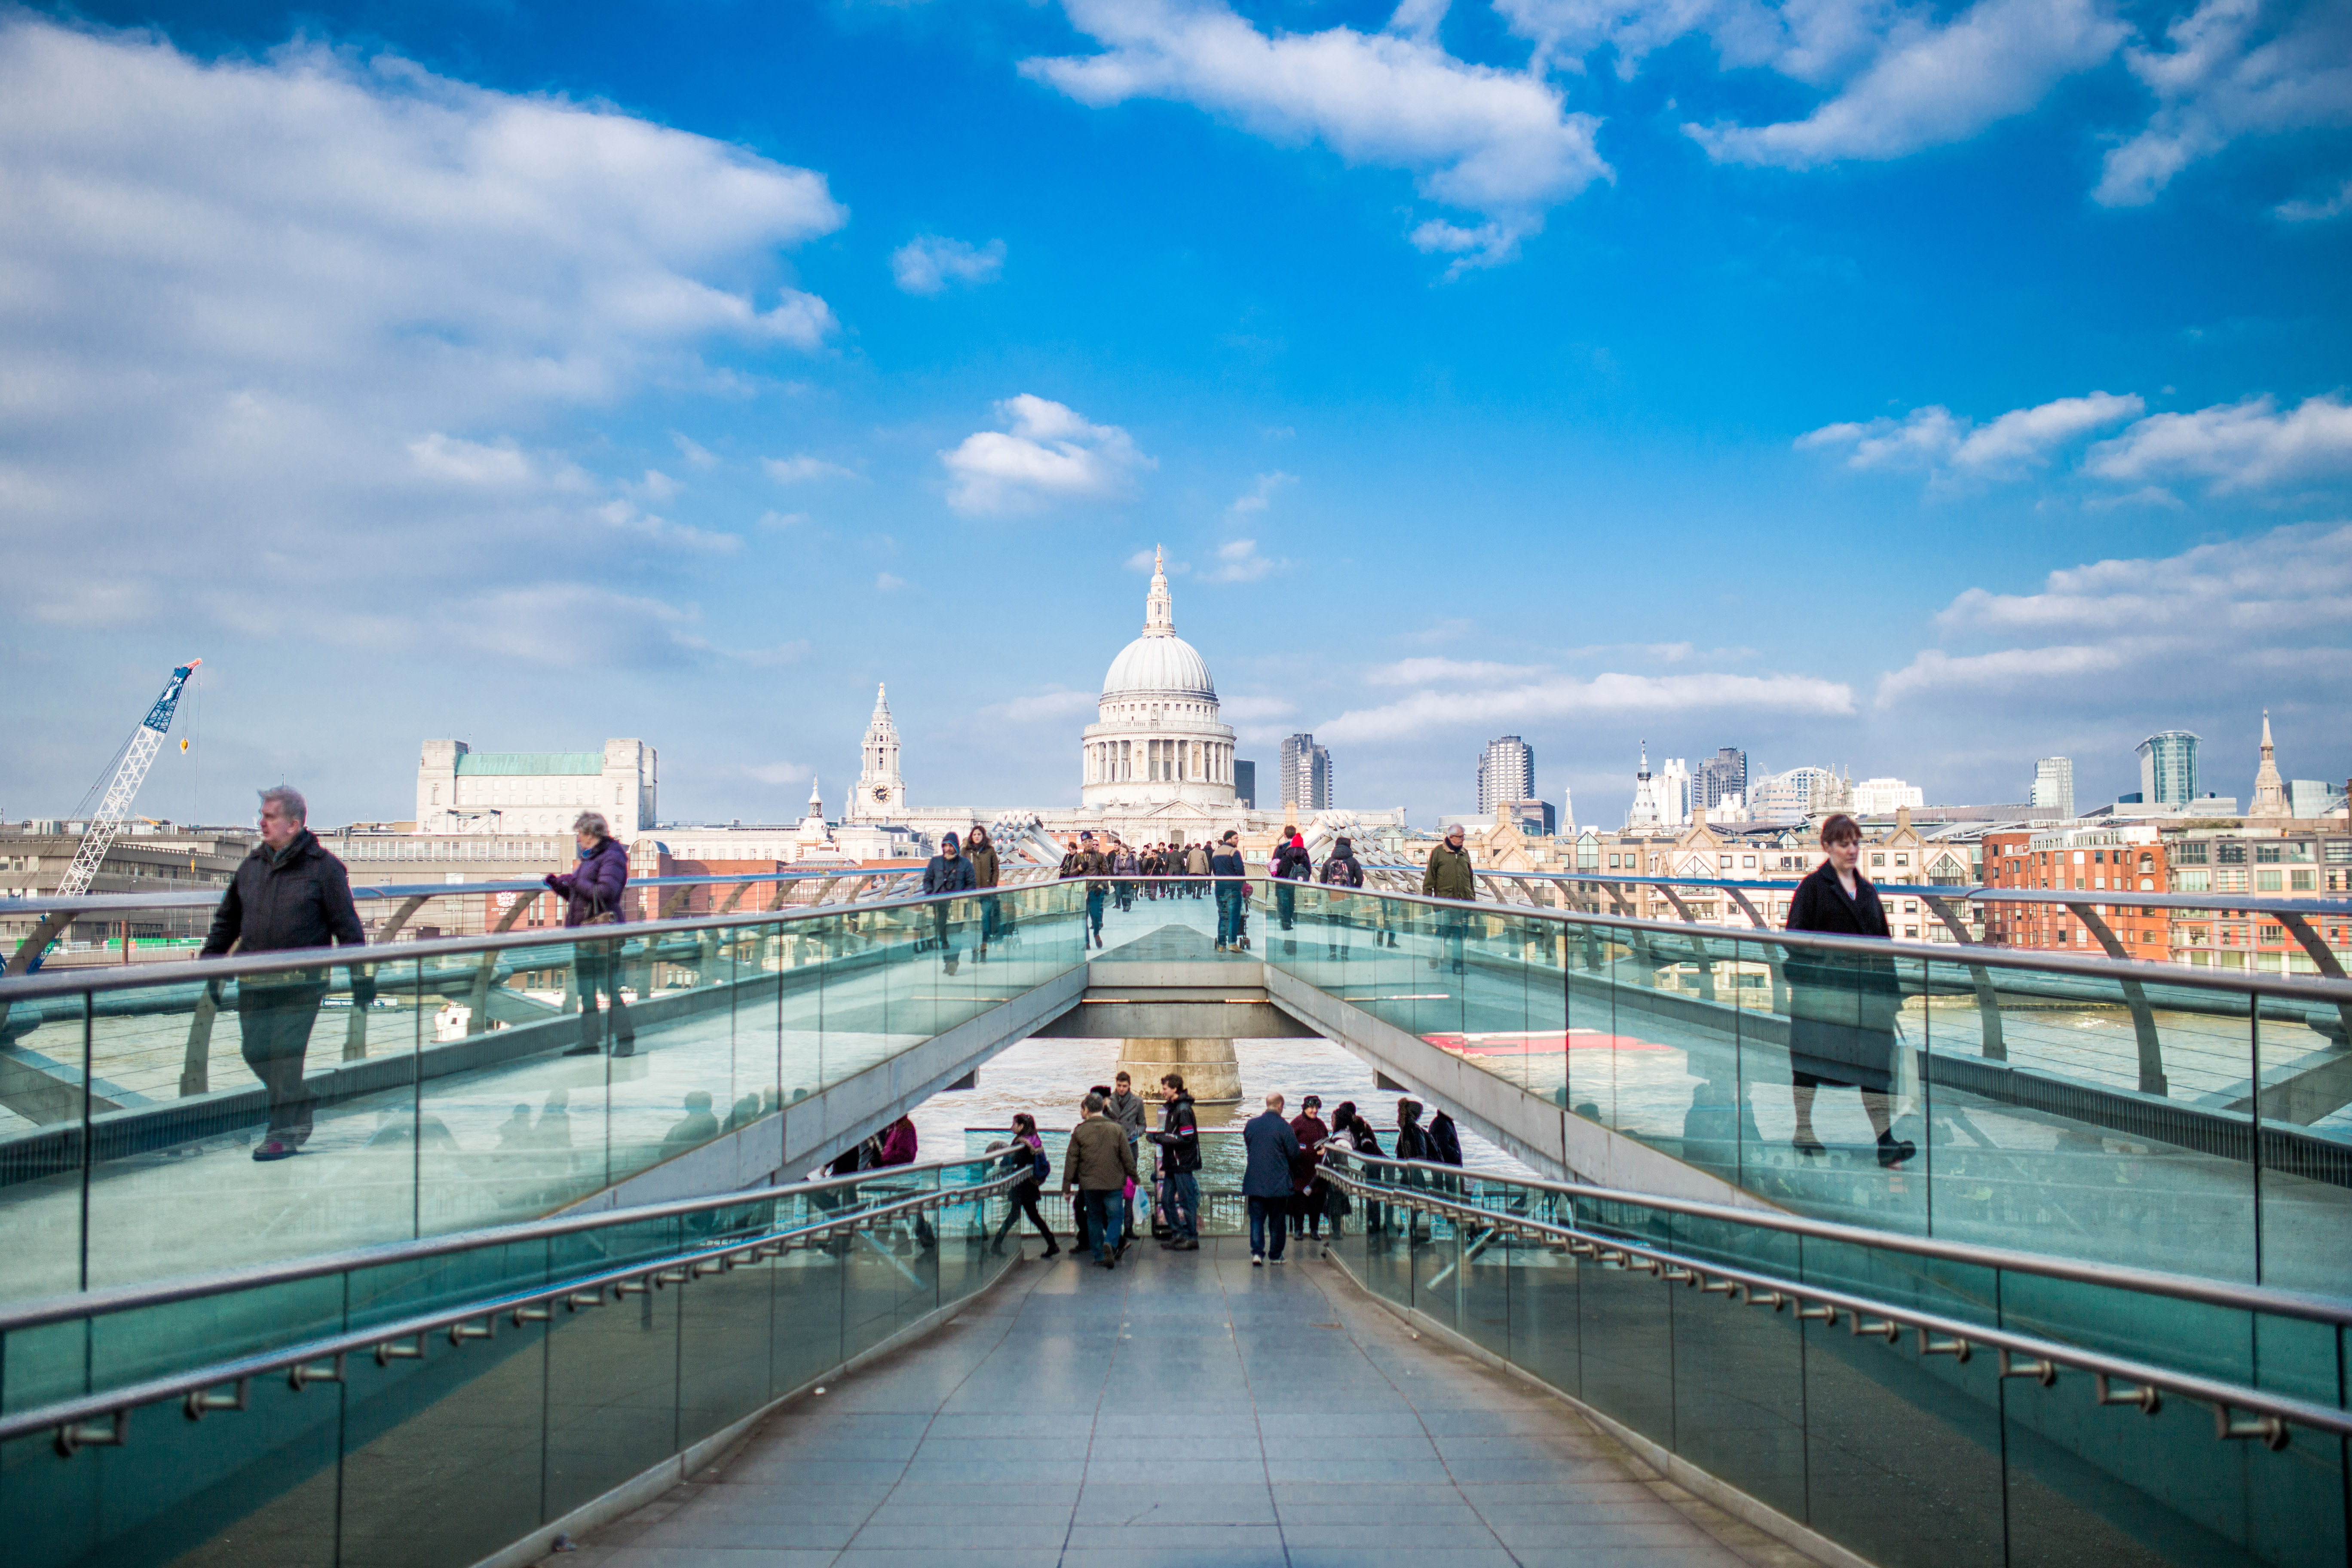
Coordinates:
[1159,663]
[1156,666]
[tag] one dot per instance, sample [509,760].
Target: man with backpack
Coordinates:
[1290,863]
[1341,871]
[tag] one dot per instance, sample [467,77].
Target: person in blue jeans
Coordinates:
[1226,867]
[1271,1146]
[1099,1162]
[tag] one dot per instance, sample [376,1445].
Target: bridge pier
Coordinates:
[1211,1073]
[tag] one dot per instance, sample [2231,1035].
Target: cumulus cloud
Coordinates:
[696,454]
[1933,85]
[257,315]
[1055,705]
[1261,495]
[801,469]
[1050,456]
[2239,610]
[2233,69]
[928,263]
[1500,144]
[1239,561]
[1553,695]
[2235,445]
[2316,210]
[1936,439]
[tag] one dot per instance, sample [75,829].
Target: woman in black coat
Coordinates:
[1842,1006]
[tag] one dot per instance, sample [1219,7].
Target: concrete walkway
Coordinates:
[1186,1408]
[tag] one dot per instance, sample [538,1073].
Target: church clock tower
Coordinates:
[880,791]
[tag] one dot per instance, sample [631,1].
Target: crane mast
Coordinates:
[137,758]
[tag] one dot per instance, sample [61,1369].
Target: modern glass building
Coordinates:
[2054,784]
[2168,768]
[1507,772]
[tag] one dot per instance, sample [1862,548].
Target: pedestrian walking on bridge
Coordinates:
[289,893]
[1098,1164]
[1270,1146]
[949,871]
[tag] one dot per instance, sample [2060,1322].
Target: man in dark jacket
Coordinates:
[1290,863]
[1448,876]
[1341,870]
[1125,1108]
[1271,1147]
[1446,1148]
[289,893]
[1178,1139]
[1099,1162]
[949,871]
[1232,894]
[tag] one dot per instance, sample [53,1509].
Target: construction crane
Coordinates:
[138,756]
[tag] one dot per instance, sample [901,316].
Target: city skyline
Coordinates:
[676,378]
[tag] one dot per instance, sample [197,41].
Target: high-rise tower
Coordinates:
[1507,772]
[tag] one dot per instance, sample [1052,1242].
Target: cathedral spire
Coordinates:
[2270,789]
[1159,609]
[882,700]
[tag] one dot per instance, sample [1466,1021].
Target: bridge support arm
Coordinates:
[2151,1046]
[1988,1000]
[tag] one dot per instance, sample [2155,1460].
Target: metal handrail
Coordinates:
[37,1313]
[201,897]
[2306,1305]
[2022,1355]
[181,972]
[67,1417]
[1986,892]
[2310,988]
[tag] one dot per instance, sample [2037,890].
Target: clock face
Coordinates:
[881,792]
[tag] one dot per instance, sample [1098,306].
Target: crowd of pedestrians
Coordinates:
[1283,1184]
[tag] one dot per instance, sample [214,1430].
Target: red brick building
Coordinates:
[2119,860]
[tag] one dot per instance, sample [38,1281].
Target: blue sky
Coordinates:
[1918,389]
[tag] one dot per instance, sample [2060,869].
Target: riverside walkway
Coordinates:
[1182,1409]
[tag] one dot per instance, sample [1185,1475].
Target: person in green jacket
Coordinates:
[1448,876]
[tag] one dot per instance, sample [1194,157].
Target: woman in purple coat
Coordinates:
[591,895]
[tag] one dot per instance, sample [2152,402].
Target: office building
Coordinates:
[1306,774]
[1885,797]
[1724,774]
[2053,784]
[2168,768]
[1244,784]
[460,790]
[2314,798]
[1506,771]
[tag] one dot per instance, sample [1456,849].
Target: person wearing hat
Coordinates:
[1308,1190]
[949,871]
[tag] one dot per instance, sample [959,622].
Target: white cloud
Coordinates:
[657,485]
[1500,144]
[780,773]
[774,656]
[1050,455]
[256,317]
[2129,628]
[1933,85]
[696,454]
[1261,494]
[1936,439]
[2234,68]
[783,519]
[2234,445]
[802,469]
[624,517]
[472,462]
[1552,696]
[1239,561]
[2317,211]
[1054,707]
[1433,671]
[888,582]
[928,263]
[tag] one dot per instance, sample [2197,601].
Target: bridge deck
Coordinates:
[1186,1408]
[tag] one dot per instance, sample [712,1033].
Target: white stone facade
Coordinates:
[460,790]
[1157,738]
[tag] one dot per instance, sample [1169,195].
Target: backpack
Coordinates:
[1045,1167]
[1338,873]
